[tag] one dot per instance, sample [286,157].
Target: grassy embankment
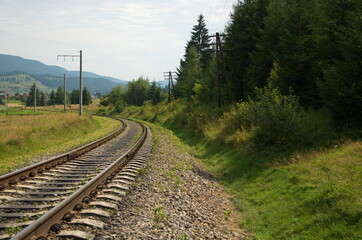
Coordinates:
[23,139]
[294,193]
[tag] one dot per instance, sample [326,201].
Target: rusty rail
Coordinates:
[49,223]
[30,171]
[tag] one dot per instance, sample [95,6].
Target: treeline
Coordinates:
[137,92]
[309,49]
[56,97]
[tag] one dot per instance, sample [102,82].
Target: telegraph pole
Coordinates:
[170,84]
[220,61]
[5,96]
[80,78]
[34,97]
[65,95]
[80,85]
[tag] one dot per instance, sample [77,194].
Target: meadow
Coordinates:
[25,139]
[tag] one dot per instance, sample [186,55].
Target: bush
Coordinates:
[271,120]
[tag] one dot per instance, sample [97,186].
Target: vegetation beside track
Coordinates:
[28,138]
[307,191]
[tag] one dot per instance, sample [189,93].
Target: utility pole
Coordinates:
[80,78]
[65,95]
[168,76]
[34,97]
[5,96]
[220,62]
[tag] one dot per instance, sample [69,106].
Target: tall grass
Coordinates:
[278,162]
[25,138]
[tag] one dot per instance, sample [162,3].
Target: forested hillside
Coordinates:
[309,49]
[17,74]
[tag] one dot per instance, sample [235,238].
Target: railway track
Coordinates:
[66,197]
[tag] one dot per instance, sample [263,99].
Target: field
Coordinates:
[25,139]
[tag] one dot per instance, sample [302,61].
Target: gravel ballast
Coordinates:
[173,198]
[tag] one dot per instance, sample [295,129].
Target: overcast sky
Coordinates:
[119,38]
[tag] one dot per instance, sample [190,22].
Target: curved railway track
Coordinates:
[67,196]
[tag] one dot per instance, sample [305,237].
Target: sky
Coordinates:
[124,39]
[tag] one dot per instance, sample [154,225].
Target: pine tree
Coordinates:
[42,100]
[191,74]
[341,85]
[155,93]
[30,98]
[86,97]
[201,41]
[59,96]
[74,96]
[247,21]
[51,98]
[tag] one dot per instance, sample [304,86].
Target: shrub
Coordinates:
[271,120]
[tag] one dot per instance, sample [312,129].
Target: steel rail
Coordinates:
[49,222]
[38,168]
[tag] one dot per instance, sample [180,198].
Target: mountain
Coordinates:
[10,66]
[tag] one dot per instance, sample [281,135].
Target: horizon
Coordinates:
[120,40]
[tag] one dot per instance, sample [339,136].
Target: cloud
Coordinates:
[124,39]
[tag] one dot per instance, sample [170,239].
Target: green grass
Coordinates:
[313,193]
[24,139]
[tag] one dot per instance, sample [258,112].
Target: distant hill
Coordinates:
[14,67]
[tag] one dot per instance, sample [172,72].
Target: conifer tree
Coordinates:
[30,98]
[87,98]
[191,74]
[51,98]
[247,22]
[201,41]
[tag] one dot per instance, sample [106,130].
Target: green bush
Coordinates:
[271,120]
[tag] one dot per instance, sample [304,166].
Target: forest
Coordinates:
[295,64]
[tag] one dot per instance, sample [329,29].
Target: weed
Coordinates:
[142,171]
[227,214]
[183,236]
[159,216]
[12,231]
[110,211]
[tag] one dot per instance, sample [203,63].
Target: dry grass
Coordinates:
[25,139]
[18,128]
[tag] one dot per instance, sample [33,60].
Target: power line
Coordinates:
[170,75]
[80,77]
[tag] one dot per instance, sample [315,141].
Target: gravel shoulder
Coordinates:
[174,198]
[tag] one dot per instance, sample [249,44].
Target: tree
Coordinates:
[341,85]
[74,96]
[87,98]
[51,98]
[247,22]
[191,74]
[136,92]
[201,41]
[116,98]
[155,93]
[42,101]
[30,98]
[59,96]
